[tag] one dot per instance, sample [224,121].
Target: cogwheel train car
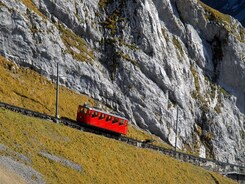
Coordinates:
[100,119]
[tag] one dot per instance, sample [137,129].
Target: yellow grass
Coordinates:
[216,15]
[103,160]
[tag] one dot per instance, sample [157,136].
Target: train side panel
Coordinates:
[102,120]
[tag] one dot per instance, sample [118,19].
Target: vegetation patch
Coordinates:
[224,92]
[197,93]
[112,21]
[25,88]
[217,108]
[2,4]
[178,46]
[226,20]
[103,3]
[241,36]
[126,57]
[165,35]
[75,45]
[214,15]
[29,4]
[130,46]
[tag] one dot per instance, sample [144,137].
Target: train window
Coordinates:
[108,118]
[115,120]
[85,111]
[102,116]
[94,114]
[121,122]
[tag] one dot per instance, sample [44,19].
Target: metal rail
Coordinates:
[214,165]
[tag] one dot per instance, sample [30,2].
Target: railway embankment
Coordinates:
[99,159]
[233,171]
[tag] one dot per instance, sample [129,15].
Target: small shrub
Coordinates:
[112,21]
[209,136]
[196,79]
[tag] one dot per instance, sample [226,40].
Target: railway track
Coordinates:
[214,165]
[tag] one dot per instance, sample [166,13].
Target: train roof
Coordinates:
[100,111]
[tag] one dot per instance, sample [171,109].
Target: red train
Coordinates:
[100,119]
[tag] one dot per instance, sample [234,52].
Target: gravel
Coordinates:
[63,161]
[30,175]
[2,147]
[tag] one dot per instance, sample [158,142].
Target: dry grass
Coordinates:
[215,15]
[103,160]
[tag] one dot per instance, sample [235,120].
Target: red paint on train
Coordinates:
[101,119]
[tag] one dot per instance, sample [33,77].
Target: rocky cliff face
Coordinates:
[144,59]
[232,7]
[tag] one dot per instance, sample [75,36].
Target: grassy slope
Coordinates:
[103,160]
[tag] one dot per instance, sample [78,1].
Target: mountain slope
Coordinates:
[59,154]
[235,8]
[144,59]
[29,143]
[23,87]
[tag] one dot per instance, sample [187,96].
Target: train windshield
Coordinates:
[83,110]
